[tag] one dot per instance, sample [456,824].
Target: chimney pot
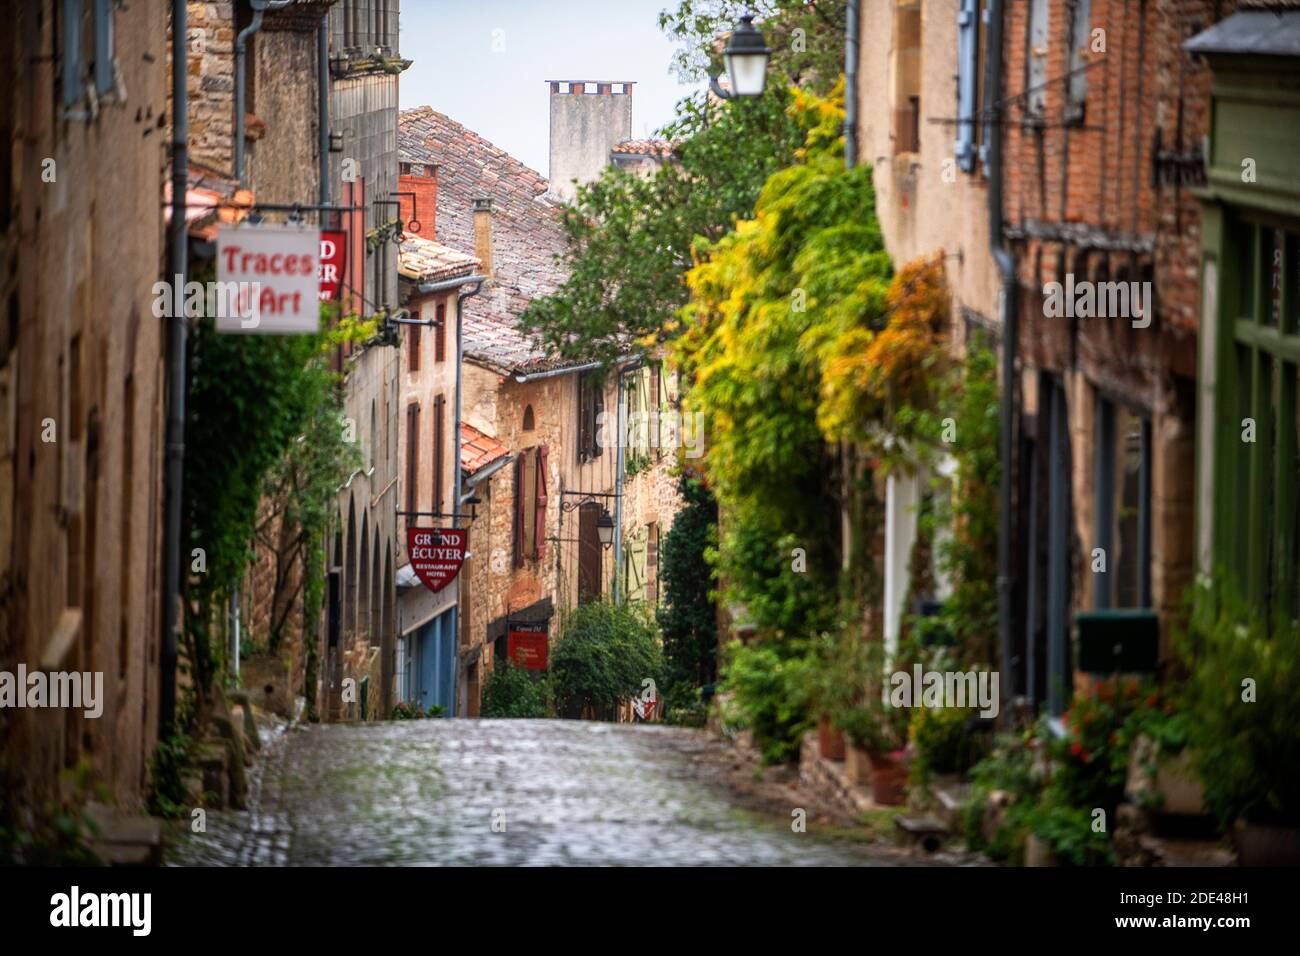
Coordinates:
[483,234]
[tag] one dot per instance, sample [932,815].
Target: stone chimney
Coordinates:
[483,235]
[587,119]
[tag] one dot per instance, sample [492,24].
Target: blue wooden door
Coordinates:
[437,663]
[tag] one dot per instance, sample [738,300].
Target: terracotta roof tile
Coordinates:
[658,148]
[477,450]
[526,233]
[425,260]
[212,199]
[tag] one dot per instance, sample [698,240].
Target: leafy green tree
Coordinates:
[688,616]
[769,300]
[604,655]
[630,238]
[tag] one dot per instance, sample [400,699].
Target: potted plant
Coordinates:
[886,749]
[877,734]
[835,680]
[1246,731]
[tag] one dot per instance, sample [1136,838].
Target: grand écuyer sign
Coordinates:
[436,554]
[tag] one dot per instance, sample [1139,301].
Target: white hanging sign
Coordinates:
[269,279]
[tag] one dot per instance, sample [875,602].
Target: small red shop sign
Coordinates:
[333,260]
[436,554]
[526,645]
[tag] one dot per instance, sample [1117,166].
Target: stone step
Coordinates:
[950,799]
[125,839]
[926,831]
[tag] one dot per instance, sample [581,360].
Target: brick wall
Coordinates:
[1081,198]
[211,87]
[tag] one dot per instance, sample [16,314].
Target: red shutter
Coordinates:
[413,343]
[539,518]
[440,338]
[519,510]
[439,408]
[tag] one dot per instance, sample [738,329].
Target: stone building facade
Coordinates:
[534,462]
[917,131]
[359,640]
[82,384]
[1103,154]
[434,277]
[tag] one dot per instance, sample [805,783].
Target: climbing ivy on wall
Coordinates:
[264,417]
[804,349]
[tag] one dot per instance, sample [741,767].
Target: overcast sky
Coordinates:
[501,94]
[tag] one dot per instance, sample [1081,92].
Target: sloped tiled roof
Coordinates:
[657,148]
[424,260]
[526,233]
[212,199]
[477,450]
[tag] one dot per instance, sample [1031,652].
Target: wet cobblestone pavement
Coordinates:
[428,792]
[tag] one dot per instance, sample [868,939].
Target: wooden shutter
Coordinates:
[656,393]
[412,457]
[597,406]
[519,509]
[539,515]
[589,552]
[413,346]
[652,564]
[440,338]
[584,441]
[439,439]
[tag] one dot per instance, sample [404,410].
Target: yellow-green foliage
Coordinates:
[797,334]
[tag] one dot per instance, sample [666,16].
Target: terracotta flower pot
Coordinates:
[829,741]
[888,780]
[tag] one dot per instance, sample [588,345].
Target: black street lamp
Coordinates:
[746,57]
[605,528]
[604,521]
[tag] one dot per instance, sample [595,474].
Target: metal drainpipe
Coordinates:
[175,448]
[618,494]
[851,86]
[460,357]
[850,160]
[323,105]
[1010,330]
[241,57]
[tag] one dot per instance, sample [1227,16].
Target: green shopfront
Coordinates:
[1248,406]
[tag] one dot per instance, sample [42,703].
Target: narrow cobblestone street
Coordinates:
[566,792]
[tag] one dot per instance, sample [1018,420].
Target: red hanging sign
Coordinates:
[526,646]
[436,554]
[333,262]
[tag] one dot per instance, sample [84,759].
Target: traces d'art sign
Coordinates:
[436,554]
